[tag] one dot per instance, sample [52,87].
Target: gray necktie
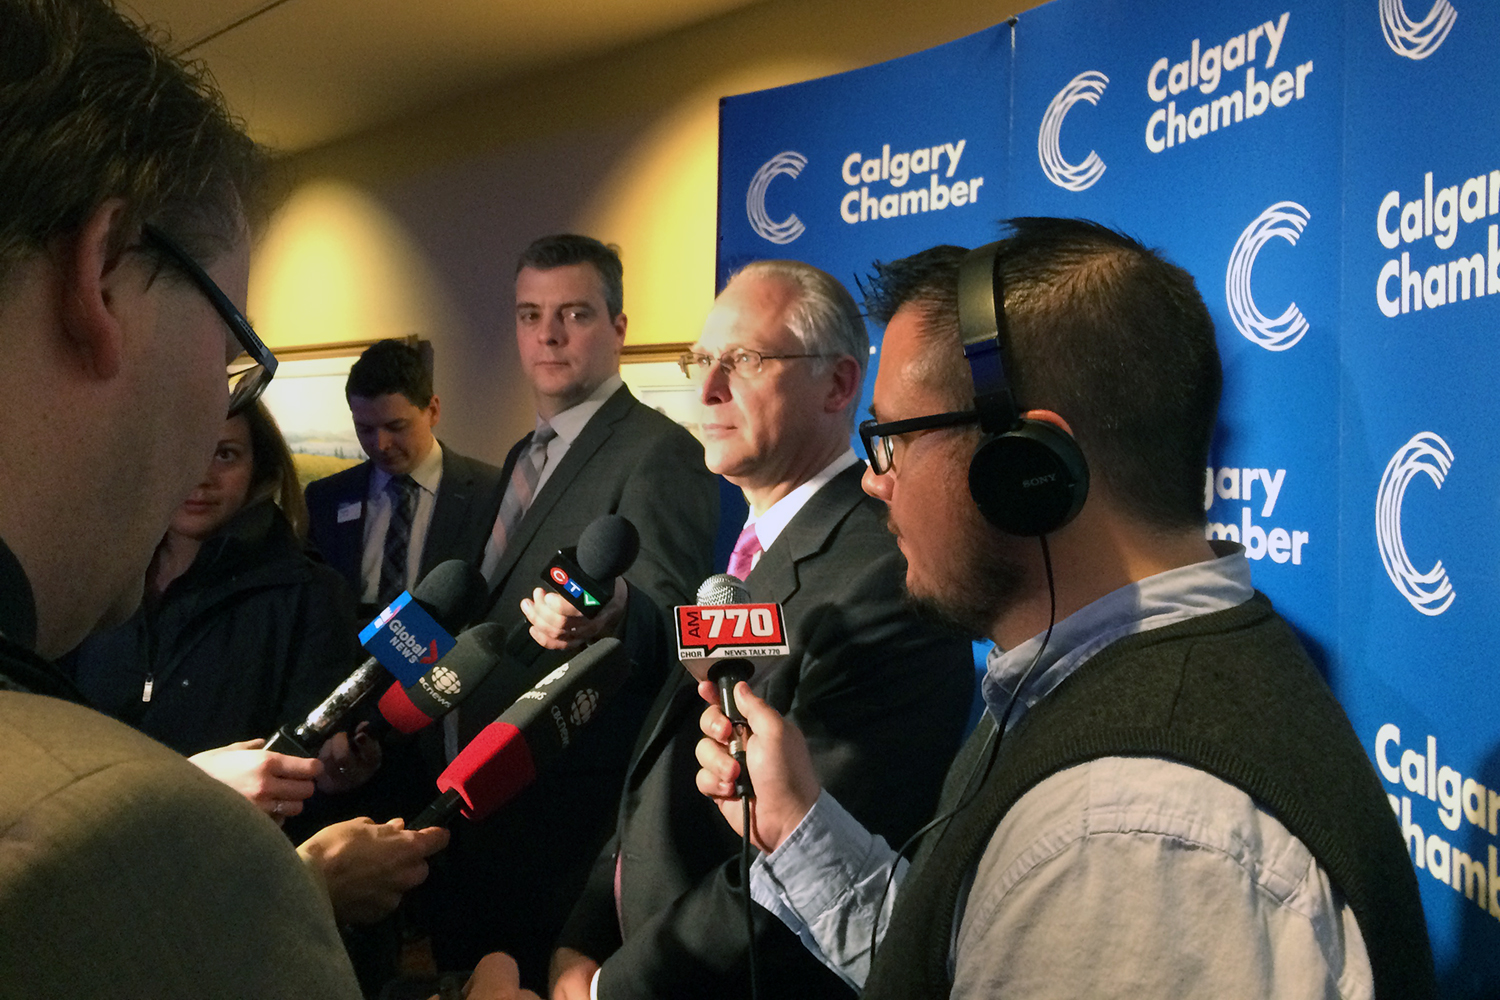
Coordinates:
[519,493]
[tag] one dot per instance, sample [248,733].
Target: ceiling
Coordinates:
[306,72]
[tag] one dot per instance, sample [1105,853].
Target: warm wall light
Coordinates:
[335,266]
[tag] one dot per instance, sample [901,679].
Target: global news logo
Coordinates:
[1416,39]
[789,164]
[1283,220]
[1086,86]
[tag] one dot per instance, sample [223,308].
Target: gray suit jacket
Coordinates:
[536,851]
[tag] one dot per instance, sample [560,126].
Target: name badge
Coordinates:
[350,511]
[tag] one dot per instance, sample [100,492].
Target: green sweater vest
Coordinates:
[1231,693]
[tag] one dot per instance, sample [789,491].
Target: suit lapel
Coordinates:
[449,513]
[593,436]
[774,580]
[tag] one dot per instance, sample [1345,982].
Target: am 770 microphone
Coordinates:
[716,639]
[508,753]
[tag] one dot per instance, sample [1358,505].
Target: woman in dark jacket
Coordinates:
[239,631]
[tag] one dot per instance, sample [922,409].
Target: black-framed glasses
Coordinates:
[878,438]
[251,370]
[740,362]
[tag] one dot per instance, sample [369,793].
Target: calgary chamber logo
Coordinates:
[1431,592]
[1416,39]
[1086,86]
[1286,220]
[789,163]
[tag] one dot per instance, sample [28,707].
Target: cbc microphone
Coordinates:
[508,753]
[453,593]
[584,575]
[478,651]
[715,639]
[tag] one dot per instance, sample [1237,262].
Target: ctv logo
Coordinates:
[1416,39]
[1284,220]
[1086,86]
[1431,592]
[788,229]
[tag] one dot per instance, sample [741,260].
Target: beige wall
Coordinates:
[414,228]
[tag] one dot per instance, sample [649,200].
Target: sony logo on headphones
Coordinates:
[1039,480]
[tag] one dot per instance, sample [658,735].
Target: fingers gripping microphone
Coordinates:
[584,575]
[440,690]
[453,593]
[725,622]
[507,754]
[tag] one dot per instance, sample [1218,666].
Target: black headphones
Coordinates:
[1028,477]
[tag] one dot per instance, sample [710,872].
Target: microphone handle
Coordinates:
[726,674]
[285,740]
[439,812]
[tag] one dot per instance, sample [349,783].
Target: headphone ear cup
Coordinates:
[1029,481]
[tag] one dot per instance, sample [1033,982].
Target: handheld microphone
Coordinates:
[453,593]
[584,575]
[436,693]
[527,737]
[715,639]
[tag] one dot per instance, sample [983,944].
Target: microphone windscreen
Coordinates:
[439,691]
[453,592]
[490,771]
[721,588]
[608,547]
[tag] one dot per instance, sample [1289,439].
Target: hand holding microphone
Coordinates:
[786,786]
[585,594]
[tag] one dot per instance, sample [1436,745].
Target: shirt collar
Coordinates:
[1178,594]
[428,474]
[570,422]
[769,525]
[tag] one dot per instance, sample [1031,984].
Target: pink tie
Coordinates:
[746,548]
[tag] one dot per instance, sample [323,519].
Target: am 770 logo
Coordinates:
[730,630]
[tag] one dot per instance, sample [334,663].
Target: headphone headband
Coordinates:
[981,321]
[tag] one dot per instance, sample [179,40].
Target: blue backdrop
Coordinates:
[1330,174]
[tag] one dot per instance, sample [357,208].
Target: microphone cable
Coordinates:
[753,952]
[988,755]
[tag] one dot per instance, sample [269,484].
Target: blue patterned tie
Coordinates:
[403,494]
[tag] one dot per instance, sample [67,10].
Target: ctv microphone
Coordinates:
[716,636]
[584,575]
[508,753]
[436,693]
[453,593]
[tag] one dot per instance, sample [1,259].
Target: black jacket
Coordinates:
[254,634]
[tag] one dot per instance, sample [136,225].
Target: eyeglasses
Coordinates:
[878,438]
[250,371]
[740,362]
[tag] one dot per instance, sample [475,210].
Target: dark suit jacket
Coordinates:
[883,699]
[508,883]
[468,499]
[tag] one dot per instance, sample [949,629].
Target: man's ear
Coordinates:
[846,385]
[93,290]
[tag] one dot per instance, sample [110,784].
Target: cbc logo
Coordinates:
[788,229]
[1416,39]
[1284,220]
[584,704]
[1086,86]
[444,680]
[1431,592]
[557,674]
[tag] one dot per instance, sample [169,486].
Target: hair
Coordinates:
[825,319]
[388,366]
[273,474]
[1103,331]
[564,249]
[95,109]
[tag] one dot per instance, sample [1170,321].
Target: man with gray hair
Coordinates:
[779,366]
